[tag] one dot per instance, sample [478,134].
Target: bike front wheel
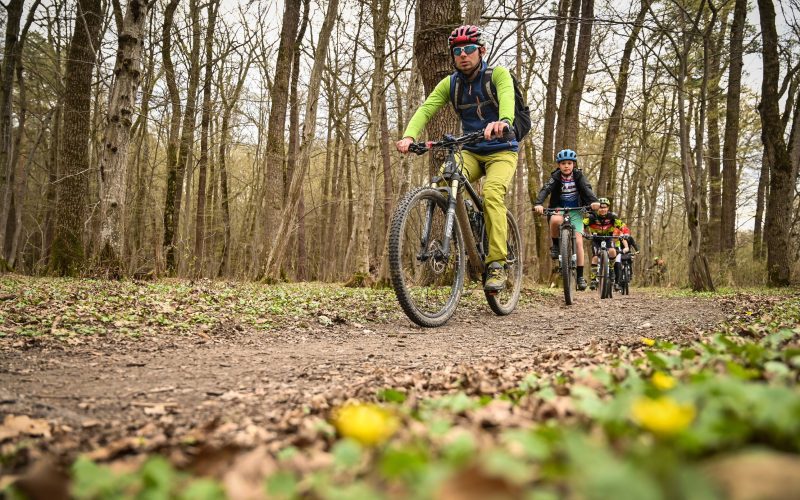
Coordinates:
[567,266]
[604,280]
[427,281]
[505,301]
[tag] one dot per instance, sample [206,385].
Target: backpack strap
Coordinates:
[489,90]
[456,90]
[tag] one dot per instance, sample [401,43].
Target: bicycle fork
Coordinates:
[450,217]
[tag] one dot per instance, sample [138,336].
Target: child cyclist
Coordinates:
[568,188]
[603,222]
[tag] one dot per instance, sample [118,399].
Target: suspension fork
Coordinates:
[451,217]
[426,232]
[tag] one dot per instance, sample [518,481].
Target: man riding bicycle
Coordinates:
[495,158]
[603,222]
[568,188]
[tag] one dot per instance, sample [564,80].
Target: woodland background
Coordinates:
[255,140]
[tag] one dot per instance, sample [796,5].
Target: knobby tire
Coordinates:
[504,302]
[410,294]
[567,270]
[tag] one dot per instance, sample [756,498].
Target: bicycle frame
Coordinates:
[566,223]
[456,209]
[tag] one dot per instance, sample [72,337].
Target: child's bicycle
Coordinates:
[435,230]
[567,263]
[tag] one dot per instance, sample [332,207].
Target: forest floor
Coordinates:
[120,370]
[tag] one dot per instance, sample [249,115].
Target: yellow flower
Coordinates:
[648,342]
[662,381]
[366,423]
[662,416]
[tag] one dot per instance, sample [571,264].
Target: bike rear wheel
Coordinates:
[428,284]
[604,280]
[505,301]
[567,266]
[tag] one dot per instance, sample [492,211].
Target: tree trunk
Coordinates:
[781,190]
[730,148]
[699,274]
[48,231]
[700,171]
[202,166]
[575,94]
[279,96]
[714,171]
[608,161]
[114,157]
[388,184]
[294,132]
[569,58]
[67,253]
[187,129]
[173,140]
[437,19]
[548,151]
[279,240]
[380,29]
[10,55]
[473,12]
[761,197]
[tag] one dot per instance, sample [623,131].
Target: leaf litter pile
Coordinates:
[214,390]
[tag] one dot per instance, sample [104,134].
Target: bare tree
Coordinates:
[173,139]
[279,240]
[114,159]
[574,94]
[294,133]
[607,163]
[437,19]
[776,154]
[730,148]
[274,153]
[380,30]
[473,12]
[67,254]
[202,165]
[699,274]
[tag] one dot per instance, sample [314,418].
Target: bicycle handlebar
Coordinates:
[603,236]
[556,211]
[450,140]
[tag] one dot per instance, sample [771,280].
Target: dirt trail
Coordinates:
[113,383]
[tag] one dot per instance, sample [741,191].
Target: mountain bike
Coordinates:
[626,273]
[436,231]
[567,264]
[604,282]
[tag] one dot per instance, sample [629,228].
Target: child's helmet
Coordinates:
[604,201]
[566,154]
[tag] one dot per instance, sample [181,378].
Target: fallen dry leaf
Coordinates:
[761,474]
[14,425]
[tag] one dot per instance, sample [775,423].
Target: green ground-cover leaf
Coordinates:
[572,431]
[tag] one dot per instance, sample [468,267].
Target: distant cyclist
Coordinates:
[603,222]
[567,188]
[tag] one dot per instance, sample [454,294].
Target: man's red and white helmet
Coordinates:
[468,33]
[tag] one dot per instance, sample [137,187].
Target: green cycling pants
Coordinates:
[499,168]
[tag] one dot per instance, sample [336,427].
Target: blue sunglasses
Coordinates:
[468,49]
